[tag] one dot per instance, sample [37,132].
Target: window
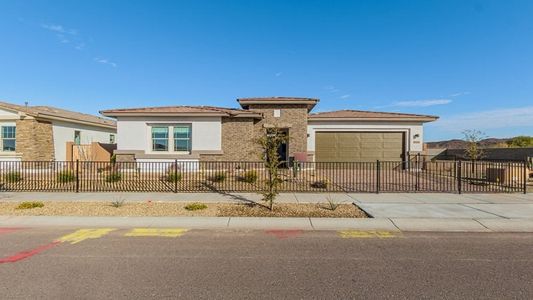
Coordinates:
[112,139]
[182,138]
[8,138]
[160,138]
[77,137]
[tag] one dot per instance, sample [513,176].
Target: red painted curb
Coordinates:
[25,254]
[284,234]
[9,229]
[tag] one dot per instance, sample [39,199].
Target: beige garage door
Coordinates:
[358,146]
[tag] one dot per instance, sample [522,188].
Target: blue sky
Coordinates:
[470,62]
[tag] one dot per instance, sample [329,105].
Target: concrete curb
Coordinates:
[379,224]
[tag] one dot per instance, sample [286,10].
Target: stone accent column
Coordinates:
[35,140]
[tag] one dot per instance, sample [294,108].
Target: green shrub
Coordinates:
[249,176]
[173,177]
[113,177]
[30,204]
[12,176]
[218,176]
[66,176]
[195,206]
[320,184]
[117,203]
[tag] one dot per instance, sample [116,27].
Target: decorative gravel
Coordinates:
[159,209]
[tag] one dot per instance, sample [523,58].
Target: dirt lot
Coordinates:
[157,209]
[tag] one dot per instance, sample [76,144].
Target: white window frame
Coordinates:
[2,138]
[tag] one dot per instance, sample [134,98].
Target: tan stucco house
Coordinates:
[43,133]
[207,133]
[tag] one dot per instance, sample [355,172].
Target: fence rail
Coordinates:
[232,176]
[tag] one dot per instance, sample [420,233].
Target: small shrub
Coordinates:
[113,177]
[249,176]
[332,204]
[118,203]
[30,205]
[12,176]
[218,176]
[66,176]
[195,206]
[320,184]
[173,177]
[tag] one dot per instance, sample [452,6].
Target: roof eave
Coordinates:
[389,119]
[161,114]
[50,117]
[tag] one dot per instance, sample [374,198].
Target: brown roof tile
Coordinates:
[54,112]
[184,109]
[369,115]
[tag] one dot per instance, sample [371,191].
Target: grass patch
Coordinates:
[66,176]
[30,205]
[195,206]
[12,176]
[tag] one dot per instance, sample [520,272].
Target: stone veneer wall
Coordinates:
[292,116]
[35,140]
[238,141]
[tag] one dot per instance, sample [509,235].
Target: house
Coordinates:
[45,133]
[207,133]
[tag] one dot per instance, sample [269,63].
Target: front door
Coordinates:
[283,150]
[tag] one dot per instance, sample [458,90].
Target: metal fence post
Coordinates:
[378,175]
[458,176]
[526,175]
[77,175]
[175,179]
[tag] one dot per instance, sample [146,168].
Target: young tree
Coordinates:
[473,149]
[270,143]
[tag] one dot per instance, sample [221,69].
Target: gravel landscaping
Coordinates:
[160,209]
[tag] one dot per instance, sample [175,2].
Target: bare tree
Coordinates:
[473,149]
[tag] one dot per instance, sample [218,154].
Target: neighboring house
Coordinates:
[206,133]
[43,133]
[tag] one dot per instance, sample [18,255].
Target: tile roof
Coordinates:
[368,115]
[183,109]
[54,112]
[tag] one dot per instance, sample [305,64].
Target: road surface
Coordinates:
[65,263]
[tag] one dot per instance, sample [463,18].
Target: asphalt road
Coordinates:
[203,264]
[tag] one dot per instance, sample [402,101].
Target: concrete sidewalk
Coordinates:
[374,224]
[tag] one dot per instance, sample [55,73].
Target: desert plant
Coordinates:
[113,176]
[117,203]
[66,176]
[173,177]
[30,205]
[249,176]
[269,144]
[320,184]
[218,176]
[12,176]
[195,206]
[331,203]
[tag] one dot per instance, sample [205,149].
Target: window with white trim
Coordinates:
[174,138]
[8,138]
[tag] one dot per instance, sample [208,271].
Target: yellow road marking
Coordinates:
[347,234]
[164,232]
[84,234]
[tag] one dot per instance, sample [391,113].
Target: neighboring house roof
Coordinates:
[54,113]
[310,102]
[359,115]
[181,111]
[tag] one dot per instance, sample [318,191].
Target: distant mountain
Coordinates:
[460,144]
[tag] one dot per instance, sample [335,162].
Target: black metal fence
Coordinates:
[194,176]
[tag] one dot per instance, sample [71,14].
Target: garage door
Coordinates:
[358,146]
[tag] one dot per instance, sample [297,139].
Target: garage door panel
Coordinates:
[359,146]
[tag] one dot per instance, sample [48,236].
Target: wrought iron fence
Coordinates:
[232,176]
